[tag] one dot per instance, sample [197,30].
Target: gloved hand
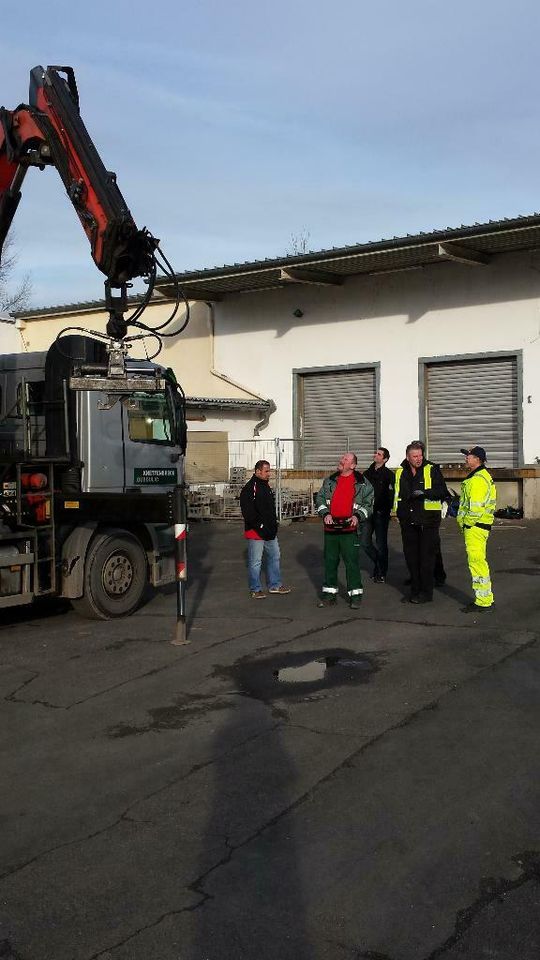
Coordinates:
[417,493]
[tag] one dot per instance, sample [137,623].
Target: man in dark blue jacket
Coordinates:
[261,527]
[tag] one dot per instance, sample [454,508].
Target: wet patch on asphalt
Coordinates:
[127,641]
[171,716]
[301,675]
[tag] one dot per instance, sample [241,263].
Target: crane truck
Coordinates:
[91,440]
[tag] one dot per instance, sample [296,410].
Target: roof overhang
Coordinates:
[226,403]
[475,246]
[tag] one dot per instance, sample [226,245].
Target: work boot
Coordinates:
[327,601]
[476,608]
[354,603]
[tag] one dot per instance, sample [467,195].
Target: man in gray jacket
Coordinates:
[344,501]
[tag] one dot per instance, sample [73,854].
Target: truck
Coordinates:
[92,441]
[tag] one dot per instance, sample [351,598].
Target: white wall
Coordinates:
[393,319]
[190,354]
[10,337]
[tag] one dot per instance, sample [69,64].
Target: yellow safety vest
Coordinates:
[428,504]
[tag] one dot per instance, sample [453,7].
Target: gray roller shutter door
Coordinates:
[338,412]
[473,402]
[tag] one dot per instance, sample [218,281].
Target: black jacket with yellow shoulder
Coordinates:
[418,496]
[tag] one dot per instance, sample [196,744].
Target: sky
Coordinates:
[233,127]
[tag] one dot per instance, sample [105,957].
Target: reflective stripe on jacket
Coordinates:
[478,500]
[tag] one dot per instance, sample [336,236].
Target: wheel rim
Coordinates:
[117,575]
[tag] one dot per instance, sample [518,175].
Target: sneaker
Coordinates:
[327,601]
[379,579]
[258,595]
[281,589]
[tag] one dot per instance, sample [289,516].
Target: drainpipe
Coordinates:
[266,419]
[223,376]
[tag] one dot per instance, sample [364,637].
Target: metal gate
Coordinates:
[294,489]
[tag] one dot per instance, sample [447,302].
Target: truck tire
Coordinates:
[115,577]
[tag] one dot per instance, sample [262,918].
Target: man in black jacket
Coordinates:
[419,491]
[261,527]
[382,480]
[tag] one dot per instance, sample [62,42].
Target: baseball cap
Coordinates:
[476,452]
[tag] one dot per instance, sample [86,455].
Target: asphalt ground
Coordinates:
[296,784]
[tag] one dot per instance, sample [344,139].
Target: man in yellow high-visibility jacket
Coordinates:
[475,517]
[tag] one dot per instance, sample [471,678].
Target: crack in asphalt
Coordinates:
[123,683]
[10,697]
[464,918]
[372,955]
[124,816]
[107,952]
[193,653]
[491,889]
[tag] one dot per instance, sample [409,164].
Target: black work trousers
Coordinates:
[421,543]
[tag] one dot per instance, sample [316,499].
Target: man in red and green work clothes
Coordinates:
[344,501]
[475,517]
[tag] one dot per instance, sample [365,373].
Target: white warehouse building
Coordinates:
[434,336]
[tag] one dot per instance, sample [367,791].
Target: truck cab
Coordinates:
[85,479]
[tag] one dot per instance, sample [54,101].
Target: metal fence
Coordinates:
[211,495]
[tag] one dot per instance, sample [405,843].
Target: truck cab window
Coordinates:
[149,418]
[35,390]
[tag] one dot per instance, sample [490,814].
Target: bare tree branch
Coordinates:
[298,243]
[18,298]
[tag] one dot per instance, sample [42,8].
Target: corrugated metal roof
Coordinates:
[228,403]
[396,253]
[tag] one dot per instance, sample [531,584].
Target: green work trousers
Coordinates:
[476,544]
[345,546]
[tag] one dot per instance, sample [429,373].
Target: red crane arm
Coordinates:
[49,131]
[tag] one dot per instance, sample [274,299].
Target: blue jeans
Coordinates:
[377,524]
[256,549]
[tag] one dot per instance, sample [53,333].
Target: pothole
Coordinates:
[299,675]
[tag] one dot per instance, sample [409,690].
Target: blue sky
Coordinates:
[233,126]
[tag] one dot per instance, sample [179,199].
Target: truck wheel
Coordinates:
[115,577]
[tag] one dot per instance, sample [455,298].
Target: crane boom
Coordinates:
[49,131]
